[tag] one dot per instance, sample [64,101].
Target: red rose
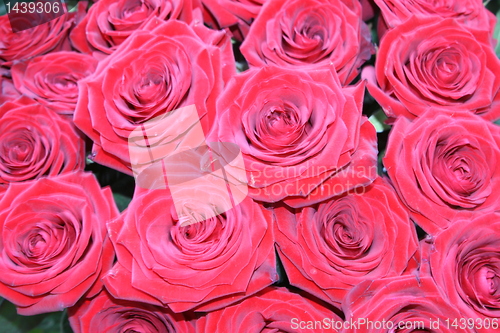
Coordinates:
[53,241]
[313,32]
[465,263]
[164,67]
[471,13]
[110,22]
[237,15]
[108,315]
[36,142]
[52,79]
[272,310]
[432,62]
[206,265]
[301,134]
[328,249]
[444,165]
[400,304]
[26,44]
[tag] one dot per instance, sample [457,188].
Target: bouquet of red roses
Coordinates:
[249,166]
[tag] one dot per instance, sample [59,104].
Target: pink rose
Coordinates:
[36,142]
[109,22]
[465,264]
[330,248]
[26,44]
[165,66]
[301,33]
[444,166]
[53,244]
[430,62]
[301,134]
[52,79]
[203,266]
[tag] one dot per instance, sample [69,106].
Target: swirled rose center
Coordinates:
[305,39]
[312,30]
[147,92]
[487,283]
[199,237]
[461,170]
[280,122]
[136,10]
[447,68]
[43,243]
[63,83]
[479,278]
[280,126]
[153,83]
[446,74]
[20,151]
[36,244]
[22,148]
[344,234]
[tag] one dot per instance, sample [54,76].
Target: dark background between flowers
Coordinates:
[123,188]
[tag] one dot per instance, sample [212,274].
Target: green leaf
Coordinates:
[122,201]
[496,35]
[378,121]
[64,326]
[11,322]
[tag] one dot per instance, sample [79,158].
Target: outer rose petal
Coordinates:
[272,309]
[401,301]
[108,315]
[368,9]
[235,15]
[471,13]
[8,91]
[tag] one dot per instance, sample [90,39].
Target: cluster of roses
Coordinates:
[319,242]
